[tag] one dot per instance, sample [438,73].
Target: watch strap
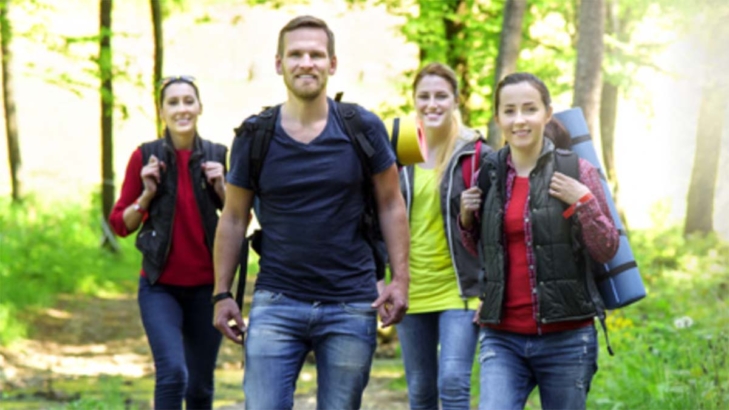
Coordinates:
[220,296]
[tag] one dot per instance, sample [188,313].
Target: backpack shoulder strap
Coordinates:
[355,129]
[260,128]
[471,165]
[567,162]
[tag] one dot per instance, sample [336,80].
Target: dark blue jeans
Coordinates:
[438,350]
[281,332]
[178,321]
[561,364]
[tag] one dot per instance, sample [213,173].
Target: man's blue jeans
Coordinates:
[561,364]
[430,376]
[179,327]
[281,332]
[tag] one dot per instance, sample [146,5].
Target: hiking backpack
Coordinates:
[262,131]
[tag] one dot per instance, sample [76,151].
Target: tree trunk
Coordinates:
[700,204]
[609,99]
[509,46]
[158,58]
[588,73]
[107,107]
[455,32]
[11,123]
[608,117]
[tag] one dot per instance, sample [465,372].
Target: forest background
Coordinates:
[78,96]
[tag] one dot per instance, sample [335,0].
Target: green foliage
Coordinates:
[49,249]
[547,47]
[34,17]
[672,348]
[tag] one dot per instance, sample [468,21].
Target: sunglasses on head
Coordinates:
[176,78]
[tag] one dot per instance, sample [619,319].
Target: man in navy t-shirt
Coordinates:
[316,289]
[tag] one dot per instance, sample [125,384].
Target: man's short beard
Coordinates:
[308,95]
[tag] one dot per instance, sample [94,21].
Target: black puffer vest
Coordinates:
[155,237]
[565,287]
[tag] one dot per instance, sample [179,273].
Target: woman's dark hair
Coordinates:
[517,78]
[168,81]
[555,131]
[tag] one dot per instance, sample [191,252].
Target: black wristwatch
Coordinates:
[220,296]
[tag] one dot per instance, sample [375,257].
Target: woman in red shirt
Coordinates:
[172,188]
[535,229]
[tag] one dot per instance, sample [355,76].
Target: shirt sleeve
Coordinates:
[599,234]
[384,157]
[469,237]
[132,188]
[238,174]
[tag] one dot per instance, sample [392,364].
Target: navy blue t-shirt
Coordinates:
[310,206]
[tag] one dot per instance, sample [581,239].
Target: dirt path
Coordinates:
[82,340]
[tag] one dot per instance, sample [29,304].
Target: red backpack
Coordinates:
[470,166]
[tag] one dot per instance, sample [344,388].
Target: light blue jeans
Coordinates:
[431,375]
[561,364]
[283,330]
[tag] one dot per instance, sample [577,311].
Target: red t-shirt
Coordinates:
[189,262]
[520,304]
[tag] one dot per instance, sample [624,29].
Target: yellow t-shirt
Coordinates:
[433,282]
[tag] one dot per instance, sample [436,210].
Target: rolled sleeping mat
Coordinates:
[407,139]
[622,285]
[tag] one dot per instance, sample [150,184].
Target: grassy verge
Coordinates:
[50,249]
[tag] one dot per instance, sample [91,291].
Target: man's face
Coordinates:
[305,63]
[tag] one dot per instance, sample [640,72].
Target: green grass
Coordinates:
[671,348]
[47,249]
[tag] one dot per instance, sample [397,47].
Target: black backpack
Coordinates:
[262,130]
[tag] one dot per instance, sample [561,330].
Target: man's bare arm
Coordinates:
[229,236]
[394,226]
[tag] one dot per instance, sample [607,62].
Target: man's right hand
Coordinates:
[226,311]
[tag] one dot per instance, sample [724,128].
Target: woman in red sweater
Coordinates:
[539,232]
[172,188]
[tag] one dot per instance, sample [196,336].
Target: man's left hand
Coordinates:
[392,303]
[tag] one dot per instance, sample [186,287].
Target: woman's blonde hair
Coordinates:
[457,129]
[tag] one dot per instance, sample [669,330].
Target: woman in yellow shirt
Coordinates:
[438,336]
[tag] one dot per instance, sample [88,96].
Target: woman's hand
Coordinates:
[470,204]
[566,189]
[151,176]
[215,175]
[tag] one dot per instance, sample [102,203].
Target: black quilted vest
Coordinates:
[155,237]
[565,288]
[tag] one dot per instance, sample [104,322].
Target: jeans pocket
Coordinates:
[359,308]
[266,297]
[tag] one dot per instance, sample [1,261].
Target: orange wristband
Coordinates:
[571,210]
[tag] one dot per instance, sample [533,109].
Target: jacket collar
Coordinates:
[544,155]
[197,148]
